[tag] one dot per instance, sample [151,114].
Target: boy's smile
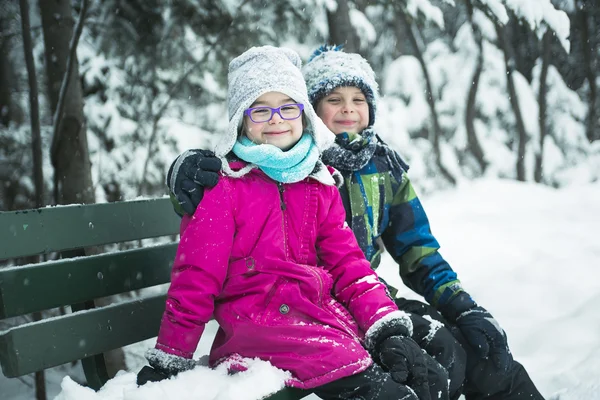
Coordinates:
[346,122]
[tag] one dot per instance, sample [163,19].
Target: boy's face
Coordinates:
[344,110]
[282,133]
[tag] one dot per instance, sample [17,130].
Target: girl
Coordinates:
[269,253]
[384,212]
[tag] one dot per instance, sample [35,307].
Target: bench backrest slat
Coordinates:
[45,230]
[51,342]
[38,287]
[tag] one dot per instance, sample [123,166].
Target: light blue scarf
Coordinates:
[283,166]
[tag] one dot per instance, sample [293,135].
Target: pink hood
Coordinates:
[283,275]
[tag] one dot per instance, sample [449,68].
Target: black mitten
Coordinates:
[389,342]
[162,366]
[149,374]
[480,329]
[188,175]
[438,380]
[405,361]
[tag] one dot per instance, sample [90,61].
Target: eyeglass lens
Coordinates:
[264,114]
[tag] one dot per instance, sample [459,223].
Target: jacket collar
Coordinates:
[322,173]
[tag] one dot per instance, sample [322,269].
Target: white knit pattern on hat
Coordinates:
[268,69]
[331,68]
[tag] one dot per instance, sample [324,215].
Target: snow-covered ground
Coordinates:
[528,253]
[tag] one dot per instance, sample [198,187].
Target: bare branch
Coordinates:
[34,107]
[65,82]
[8,35]
[415,39]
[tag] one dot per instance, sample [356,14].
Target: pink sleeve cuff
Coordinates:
[173,351]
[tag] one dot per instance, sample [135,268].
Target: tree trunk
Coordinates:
[341,30]
[40,376]
[538,173]
[9,109]
[72,170]
[589,55]
[36,147]
[436,132]
[34,109]
[69,153]
[6,104]
[525,47]
[472,140]
[514,100]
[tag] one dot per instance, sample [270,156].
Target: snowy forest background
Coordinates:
[471,88]
[501,88]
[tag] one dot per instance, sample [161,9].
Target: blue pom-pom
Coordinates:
[325,48]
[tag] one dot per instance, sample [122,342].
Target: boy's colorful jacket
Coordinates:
[380,202]
[282,273]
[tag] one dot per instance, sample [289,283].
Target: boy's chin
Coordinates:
[349,132]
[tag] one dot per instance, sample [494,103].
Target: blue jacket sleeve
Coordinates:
[409,240]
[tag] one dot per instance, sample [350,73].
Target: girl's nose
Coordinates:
[275,118]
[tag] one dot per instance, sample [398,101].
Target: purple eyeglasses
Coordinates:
[264,114]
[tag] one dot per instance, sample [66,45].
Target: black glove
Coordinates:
[162,366]
[480,329]
[189,174]
[405,361]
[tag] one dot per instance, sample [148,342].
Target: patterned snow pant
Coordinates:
[376,384]
[476,378]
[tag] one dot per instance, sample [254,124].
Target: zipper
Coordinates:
[281,190]
[283,207]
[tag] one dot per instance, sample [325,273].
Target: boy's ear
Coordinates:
[316,106]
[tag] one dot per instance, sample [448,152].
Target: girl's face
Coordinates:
[283,133]
[344,110]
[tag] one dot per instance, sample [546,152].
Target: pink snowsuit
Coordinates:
[282,273]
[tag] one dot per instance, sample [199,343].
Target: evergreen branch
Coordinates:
[487,11]
[182,79]
[157,117]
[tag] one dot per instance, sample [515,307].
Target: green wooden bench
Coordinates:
[88,330]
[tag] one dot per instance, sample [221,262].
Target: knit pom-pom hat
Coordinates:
[268,69]
[329,68]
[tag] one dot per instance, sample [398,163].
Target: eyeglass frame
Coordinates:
[277,110]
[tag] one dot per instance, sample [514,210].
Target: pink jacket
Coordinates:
[282,273]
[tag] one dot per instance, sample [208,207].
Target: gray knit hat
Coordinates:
[268,69]
[329,68]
